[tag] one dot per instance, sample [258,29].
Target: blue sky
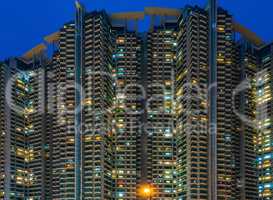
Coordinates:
[25,22]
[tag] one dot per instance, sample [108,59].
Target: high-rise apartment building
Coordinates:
[25,145]
[144,72]
[161,47]
[263,139]
[244,107]
[84,92]
[18,154]
[53,164]
[226,178]
[191,105]
[116,108]
[127,112]
[192,121]
[2,129]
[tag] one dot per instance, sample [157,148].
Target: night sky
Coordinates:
[24,23]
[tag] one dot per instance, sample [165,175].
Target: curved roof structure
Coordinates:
[52,38]
[153,11]
[248,34]
[162,11]
[34,51]
[128,16]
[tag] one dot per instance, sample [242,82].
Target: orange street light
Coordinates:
[146,191]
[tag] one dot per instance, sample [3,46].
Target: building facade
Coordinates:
[161,41]
[115,108]
[84,94]
[235,169]
[25,144]
[245,107]
[127,112]
[263,144]
[3,133]
[191,105]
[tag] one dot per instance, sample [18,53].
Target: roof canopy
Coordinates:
[37,50]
